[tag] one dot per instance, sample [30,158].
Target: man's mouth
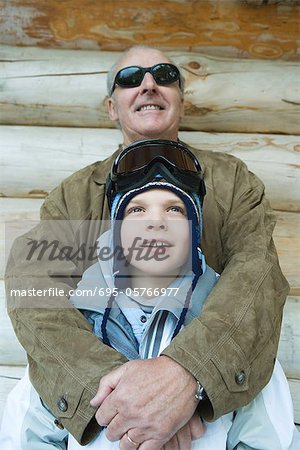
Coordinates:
[149,108]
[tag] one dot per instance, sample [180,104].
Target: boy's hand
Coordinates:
[150,399]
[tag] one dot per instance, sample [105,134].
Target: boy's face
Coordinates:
[155,233]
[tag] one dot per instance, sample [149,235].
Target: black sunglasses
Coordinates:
[132,76]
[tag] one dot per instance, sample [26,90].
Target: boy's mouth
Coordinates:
[155,243]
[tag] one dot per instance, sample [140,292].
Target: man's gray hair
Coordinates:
[113,70]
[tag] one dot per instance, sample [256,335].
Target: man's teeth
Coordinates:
[147,107]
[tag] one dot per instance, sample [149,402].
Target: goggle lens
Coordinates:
[132,159]
[144,161]
[133,76]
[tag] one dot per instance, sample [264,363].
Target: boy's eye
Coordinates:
[134,209]
[177,209]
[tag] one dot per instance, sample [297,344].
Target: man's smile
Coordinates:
[148,107]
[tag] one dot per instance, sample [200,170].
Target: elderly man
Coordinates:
[225,357]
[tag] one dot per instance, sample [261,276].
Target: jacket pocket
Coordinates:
[233,366]
[66,402]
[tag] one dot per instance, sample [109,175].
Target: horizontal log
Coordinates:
[232,27]
[270,2]
[68,88]
[11,351]
[289,345]
[35,159]
[273,158]
[19,215]
[287,241]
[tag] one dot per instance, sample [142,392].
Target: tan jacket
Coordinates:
[231,349]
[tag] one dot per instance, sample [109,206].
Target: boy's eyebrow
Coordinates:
[175,202]
[133,202]
[167,202]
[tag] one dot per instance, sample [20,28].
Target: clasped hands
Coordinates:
[149,405]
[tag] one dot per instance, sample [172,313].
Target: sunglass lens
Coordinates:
[129,76]
[165,73]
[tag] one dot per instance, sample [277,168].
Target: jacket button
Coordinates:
[240,377]
[62,404]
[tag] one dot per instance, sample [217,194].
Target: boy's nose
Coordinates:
[157,224]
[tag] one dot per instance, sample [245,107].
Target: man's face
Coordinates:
[155,233]
[149,110]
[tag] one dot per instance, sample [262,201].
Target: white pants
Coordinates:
[214,438]
[265,424]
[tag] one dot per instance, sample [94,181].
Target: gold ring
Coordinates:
[135,444]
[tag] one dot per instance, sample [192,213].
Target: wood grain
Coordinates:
[35,159]
[226,28]
[289,346]
[68,88]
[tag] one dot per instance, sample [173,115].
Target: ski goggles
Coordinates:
[149,160]
[132,76]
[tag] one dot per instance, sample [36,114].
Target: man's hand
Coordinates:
[182,440]
[151,399]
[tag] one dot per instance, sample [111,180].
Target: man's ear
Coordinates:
[112,110]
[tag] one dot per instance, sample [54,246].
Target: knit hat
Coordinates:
[194,216]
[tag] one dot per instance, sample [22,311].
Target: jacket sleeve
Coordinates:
[66,360]
[231,347]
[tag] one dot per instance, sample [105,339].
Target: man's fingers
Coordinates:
[101,395]
[197,427]
[151,445]
[172,444]
[116,429]
[104,417]
[107,385]
[128,442]
[137,396]
[184,438]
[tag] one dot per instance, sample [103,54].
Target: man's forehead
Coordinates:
[143,57]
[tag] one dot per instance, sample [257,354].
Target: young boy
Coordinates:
[155,283]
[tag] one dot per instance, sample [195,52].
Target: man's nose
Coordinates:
[148,83]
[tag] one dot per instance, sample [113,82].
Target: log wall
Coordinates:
[68,88]
[53,122]
[266,29]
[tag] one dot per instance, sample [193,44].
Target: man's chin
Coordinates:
[157,133]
